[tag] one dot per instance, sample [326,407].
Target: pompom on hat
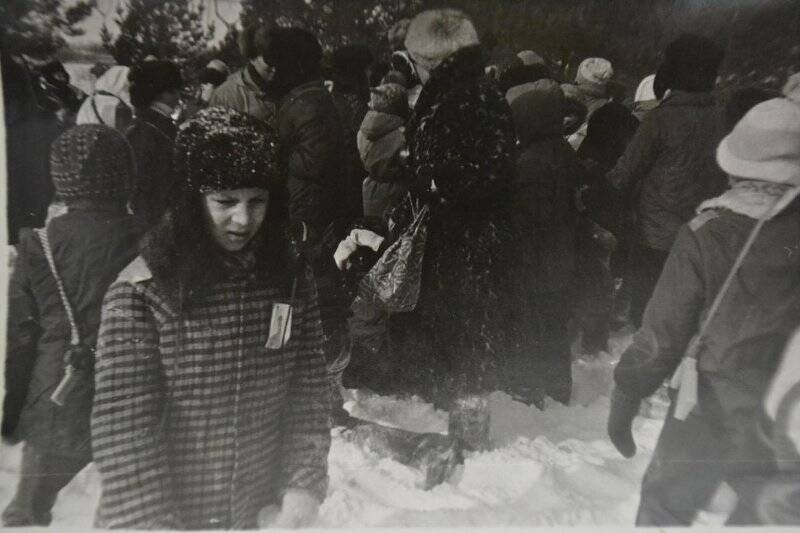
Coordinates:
[222,149]
[436,34]
[91,162]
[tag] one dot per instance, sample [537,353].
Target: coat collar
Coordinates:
[683,98]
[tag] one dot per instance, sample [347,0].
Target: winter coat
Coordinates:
[152,137]
[90,246]
[352,108]
[547,178]
[311,135]
[591,100]
[462,138]
[241,93]
[380,140]
[744,342]
[196,424]
[671,161]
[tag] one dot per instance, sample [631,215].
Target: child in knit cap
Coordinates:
[91,166]
[381,142]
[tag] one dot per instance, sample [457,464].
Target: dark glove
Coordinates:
[620,420]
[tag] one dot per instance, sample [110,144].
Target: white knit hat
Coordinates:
[435,34]
[594,71]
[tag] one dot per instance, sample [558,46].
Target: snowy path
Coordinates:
[549,468]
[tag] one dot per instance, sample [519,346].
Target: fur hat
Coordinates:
[765,144]
[690,64]
[389,98]
[151,78]
[594,73]
[91,161]
[435,34]
[222,149]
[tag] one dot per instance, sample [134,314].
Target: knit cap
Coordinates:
[221,149]
[594,72]
[91,162]
[436,34]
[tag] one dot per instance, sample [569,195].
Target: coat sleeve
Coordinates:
[639,156]
[21,338]
[306,423]
[127,442]
[670,320]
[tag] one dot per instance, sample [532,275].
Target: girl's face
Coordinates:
[234,216]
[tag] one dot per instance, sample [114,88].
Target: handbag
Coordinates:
[79,358]
[392,285]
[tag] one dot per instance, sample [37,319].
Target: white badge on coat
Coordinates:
[280,327]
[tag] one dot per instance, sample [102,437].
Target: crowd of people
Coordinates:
[188,301]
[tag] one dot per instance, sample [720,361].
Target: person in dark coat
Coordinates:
[547,176]
[315,164]
[709,435]
[350,93]
[670,160]
[155,94]
[32,122]
[91,166]
[209,407]
[461,139]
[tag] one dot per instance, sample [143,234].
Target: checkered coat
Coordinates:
[196,425]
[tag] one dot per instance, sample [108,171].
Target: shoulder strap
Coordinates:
[97,111]
[48,253]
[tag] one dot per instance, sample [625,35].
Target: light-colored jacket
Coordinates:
[241,93]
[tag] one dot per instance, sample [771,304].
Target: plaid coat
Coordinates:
[196,424]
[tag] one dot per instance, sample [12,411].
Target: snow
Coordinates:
[547,468]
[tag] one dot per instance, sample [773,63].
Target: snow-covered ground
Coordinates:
[547,468]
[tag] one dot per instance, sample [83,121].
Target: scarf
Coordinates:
[753,198]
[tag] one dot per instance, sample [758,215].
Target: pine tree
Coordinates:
[37,27]
[167,29]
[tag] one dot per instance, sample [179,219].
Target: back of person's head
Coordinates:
[149,79]
[690,64]
[743,100]
[519,74]
[91,162]
[253,40]
[538,110]
[594,74]
[215,73]
[294,53]
[436,34]
[608,132]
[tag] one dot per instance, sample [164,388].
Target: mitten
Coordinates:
[299,509]
[620,421]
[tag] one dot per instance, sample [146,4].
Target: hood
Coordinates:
[115,81]
[377,124]
[538,110]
